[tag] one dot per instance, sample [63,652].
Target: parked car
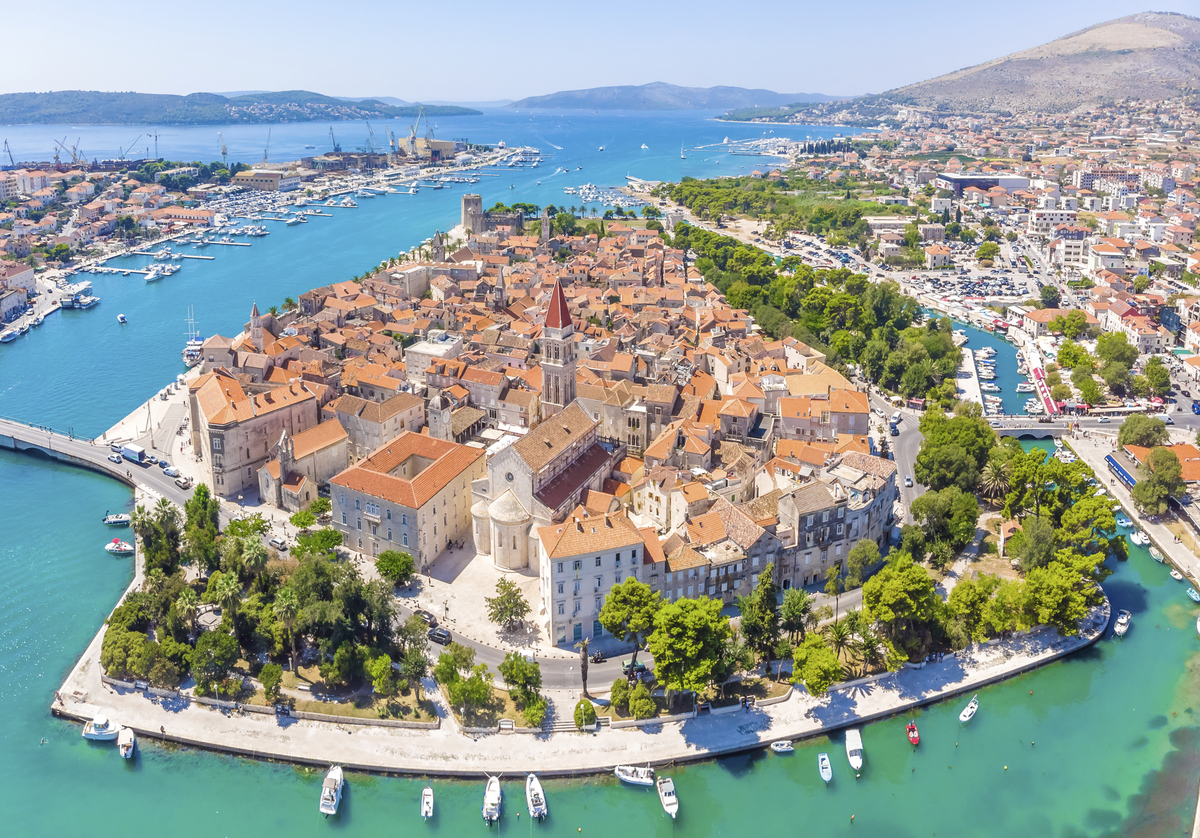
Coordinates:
[278,543]
[171,471]
[429,619]
[183,482]
[439,636]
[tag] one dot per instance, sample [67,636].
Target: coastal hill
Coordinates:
[659,96]
[1151,55]
[95,107]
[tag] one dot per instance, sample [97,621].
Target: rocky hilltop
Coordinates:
[1151,55]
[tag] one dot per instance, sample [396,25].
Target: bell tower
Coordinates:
[558,354]
[256,332]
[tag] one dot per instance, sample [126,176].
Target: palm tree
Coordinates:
[154,581]
[166,514]
[254,556]
[839,636]
[141,521]
[286,607]
[870,647]
[228,592]
[273,310]
[188,605]
[582,646]
[798,606]
[289,303]
[995,479]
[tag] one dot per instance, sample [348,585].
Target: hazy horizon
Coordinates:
[575,47]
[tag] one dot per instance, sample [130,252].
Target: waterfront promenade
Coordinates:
[448,752]
[969,390]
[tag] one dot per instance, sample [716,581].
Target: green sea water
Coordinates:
[1102,743]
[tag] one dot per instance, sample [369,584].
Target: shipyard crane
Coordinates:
[8,151]
[336,148]
[224,150]
[121,154]
[370,137]
[155,143]
[76,158]
[267,150]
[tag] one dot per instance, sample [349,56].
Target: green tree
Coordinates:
[760,616]
[522,676]
[472,691]
[1090,392]
[1071,354]
[1051,296]
[1145,431]
[815,666]
[1158,377]
[383,677]
[188,605]
[271,678]
[508,607]
[1033,544]
[902,599]
[214,656]
[320,506]
[949,515]
[618,697]
[987,251]
[1054,596]
[862,555]
[396,567]
[641,703]
[628,612]
[414,665]
[1159,478]
[796,613]
[286,608]
[228,592]
[686,642]
[833,583]
[839,636]
[303,519]
[995,478]
[1114,347]
[585,714]
[254,556]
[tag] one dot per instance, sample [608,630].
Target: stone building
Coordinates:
[302,464]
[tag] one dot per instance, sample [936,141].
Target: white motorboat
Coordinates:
[636,775]
[117,547]
[101,729]
[824,767]
[1198,625]
[968,712]
[1124,522]
[427,803]
[492,799]
[644,146]
[126,742]
[1156,555]
[1122,624]
[535,797]
[1139,538]
[1176,575]
[1025,387]
[785,747]
[331,791]
[120,520]
[666,796]
[854,748]
[122,319]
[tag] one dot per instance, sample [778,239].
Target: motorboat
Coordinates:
[826,769]
[784,747]
[1122,624]
[117,547]
[913,735]
[666,794]
[1176,575]
[1192,595]
[1124,522]
[636,775]
[989,387]
[8,336]
[1139,538]
[968,712]
[348,202]
[426,803]
[122,319]
[644,146]
[1025,387]
[1155,554]
[39,320]
[294,220]
[854,748]
[126,742]
[121,519]
[101,729]
[535,797]
[331,791]
[492,799]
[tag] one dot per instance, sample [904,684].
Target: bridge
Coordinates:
[86,453]
[1028,427]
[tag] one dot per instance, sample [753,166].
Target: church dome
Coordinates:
[480,509]
[506,509]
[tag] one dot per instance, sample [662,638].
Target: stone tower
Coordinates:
[472,213]
[558,354]
[256,330]
[545,224]
[437,247]
[440,425]
[499,293]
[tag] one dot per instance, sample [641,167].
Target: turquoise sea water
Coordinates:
[1117,746]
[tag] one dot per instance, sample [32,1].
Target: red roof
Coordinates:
[558,316]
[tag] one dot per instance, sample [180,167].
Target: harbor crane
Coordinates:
[8,151]
[76,158]
[224,150]
[267,150]
[337,148]
[370,137]
[121,154]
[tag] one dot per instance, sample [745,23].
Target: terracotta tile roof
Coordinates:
[317,437]
[706,529]
[685,558]
[653,554]
[590,534]
[558,316]
[554,436]
[373,476]
[812,498]
[370,411]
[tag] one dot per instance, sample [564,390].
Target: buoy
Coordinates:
[852,818]
[1006,768]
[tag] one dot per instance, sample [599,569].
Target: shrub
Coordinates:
[641,705]
[271,678]
[585,714]
[620,695]
[534,712]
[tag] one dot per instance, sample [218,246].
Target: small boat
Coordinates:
[1192,595]
[666,796]
[635,774]
[644,146]
[1155,554]
[1122,624]
[601,148]
[119,520]
[824,767]
[968,712]
[122,319]
[1176,575]
[331,791]
[427,803]
[854,748]
[101,729]
[39,320]
[7,336]
[119,548]
[1198,625]
[913,736]
[492,799]
[1138,538]
[1124,522]
[784,747]
[535,797]
[126,742]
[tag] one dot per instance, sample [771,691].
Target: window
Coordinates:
[578,564]
[404,520]
[599,581]
[343,517]
[249,471]
[356,503]
[562,607]
[632,555]
[617,578]
[560,588]
[597,561]
[618,558]
[825,517]
[560,564]
[598,600]
[389,533]
[360,523]
[810,520]
[514,542]
[841,529]
[404,539]
[389,514]
[841,512]
[216,443]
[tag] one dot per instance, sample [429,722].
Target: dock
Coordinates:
[968,388]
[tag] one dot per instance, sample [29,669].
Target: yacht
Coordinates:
[1025,387]
[854,748]
[294,220]
[121,519]
[666,796]
[364,193]
[1122,624]
[154,274]
[492,800]
[126,742]
[348,202]
[331,791]
[101,729]
[989,387]
[117,547]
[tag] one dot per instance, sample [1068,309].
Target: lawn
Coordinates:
[500,707]
[758,688]
[366,706]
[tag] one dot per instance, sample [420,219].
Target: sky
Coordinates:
[467,50]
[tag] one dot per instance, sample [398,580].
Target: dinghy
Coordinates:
[827,770]
[635,775]
[782,747]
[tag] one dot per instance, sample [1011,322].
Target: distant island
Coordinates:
[779,114]
[95,107]
[659,96]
